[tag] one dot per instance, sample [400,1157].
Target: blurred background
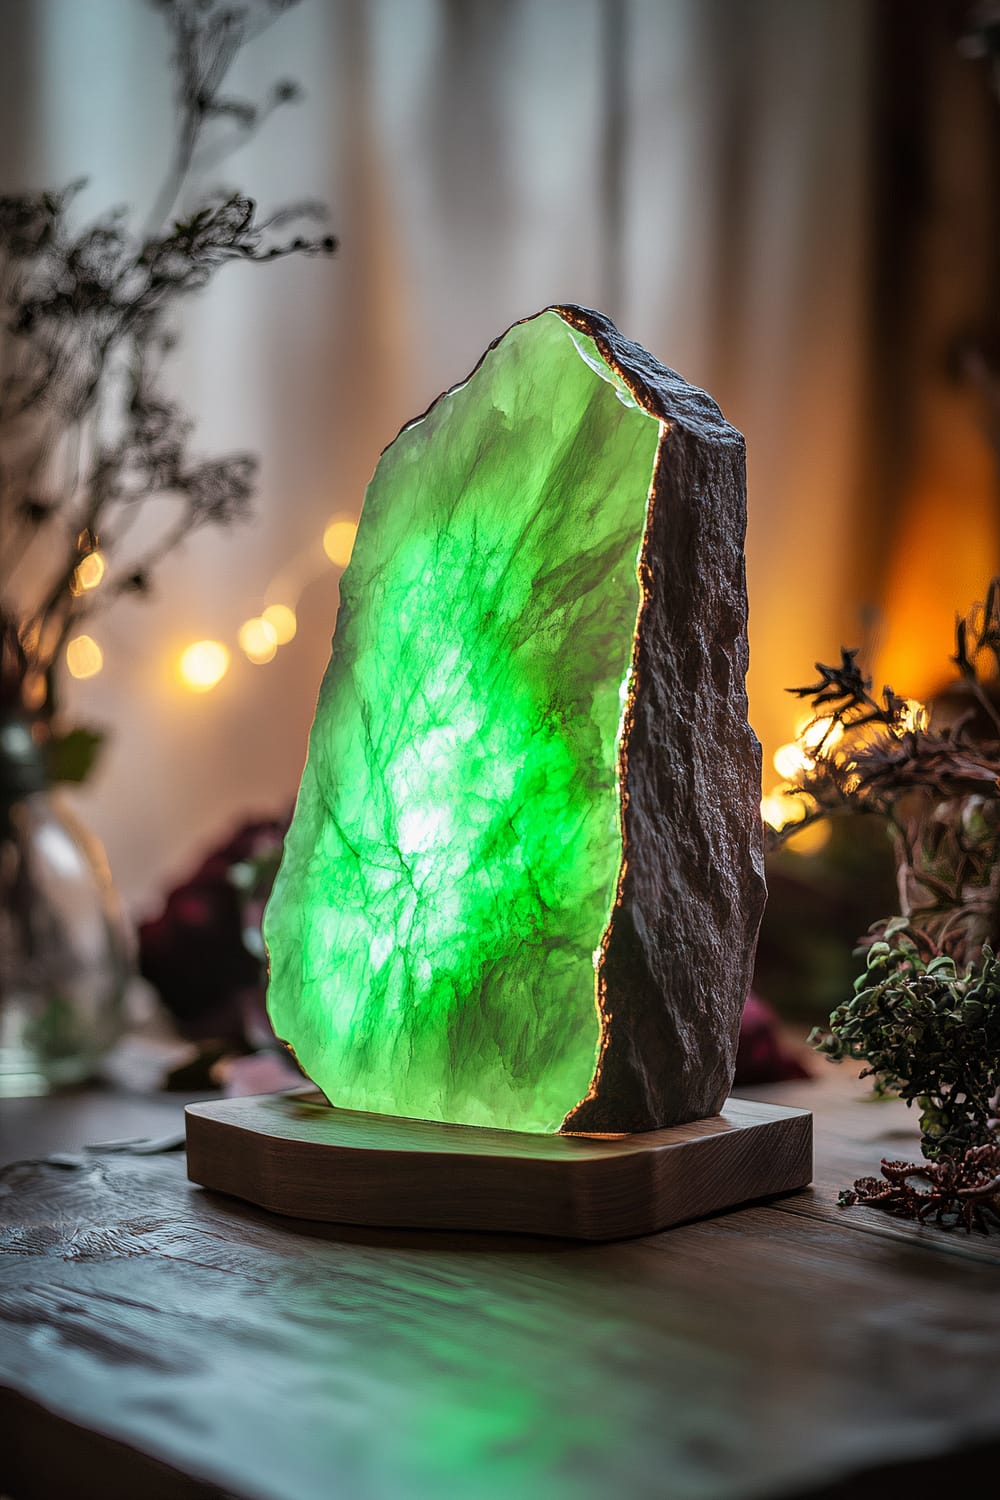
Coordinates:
[793,202]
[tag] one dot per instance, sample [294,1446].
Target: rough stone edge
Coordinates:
[678,954]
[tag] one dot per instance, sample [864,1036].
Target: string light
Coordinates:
[913,717]
[203,665]
[282,620]
[84,657]
[814,734]
[338,540]
[784,806]
[774,809]
[88,573]
[258,640]
[790,760]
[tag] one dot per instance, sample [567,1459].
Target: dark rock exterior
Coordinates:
[678,956]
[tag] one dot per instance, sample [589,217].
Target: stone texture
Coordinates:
[678,954]
[523,880]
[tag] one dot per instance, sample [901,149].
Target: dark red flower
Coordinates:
[194,954]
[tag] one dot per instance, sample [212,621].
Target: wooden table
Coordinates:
[159,1341]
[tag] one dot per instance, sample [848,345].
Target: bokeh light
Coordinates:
[338,540]
[258,640]
[773,810]
[811,839]
[783,806]
[824,733]
[790,759]
[282,620]
[914,717]
[88,573]
[203,665]
[84,657]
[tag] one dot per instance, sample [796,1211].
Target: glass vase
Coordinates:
[64,950]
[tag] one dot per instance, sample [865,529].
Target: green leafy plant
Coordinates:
[929,1032]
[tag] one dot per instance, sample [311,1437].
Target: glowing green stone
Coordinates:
[450,873]
[525,874]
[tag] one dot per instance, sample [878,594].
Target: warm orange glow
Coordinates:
[203,665]
[338,540]
[282,620]
[944,544]
[84,657]
[88,573]
[258,640]
[810,840]
[29,636]
[34,692]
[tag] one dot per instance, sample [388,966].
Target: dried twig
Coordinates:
[961,1191]
[87,434]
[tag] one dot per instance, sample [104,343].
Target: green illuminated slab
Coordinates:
[522,884]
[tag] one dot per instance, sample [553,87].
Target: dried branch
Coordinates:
[928,1031]
[960,1191]
[933,778]
[87,434]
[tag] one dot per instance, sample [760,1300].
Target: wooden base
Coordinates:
[296,1155]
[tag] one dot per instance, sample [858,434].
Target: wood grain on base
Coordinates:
[296,1155]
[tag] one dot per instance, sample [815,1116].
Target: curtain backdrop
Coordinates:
[699,169]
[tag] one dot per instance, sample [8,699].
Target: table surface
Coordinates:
[164,1341]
